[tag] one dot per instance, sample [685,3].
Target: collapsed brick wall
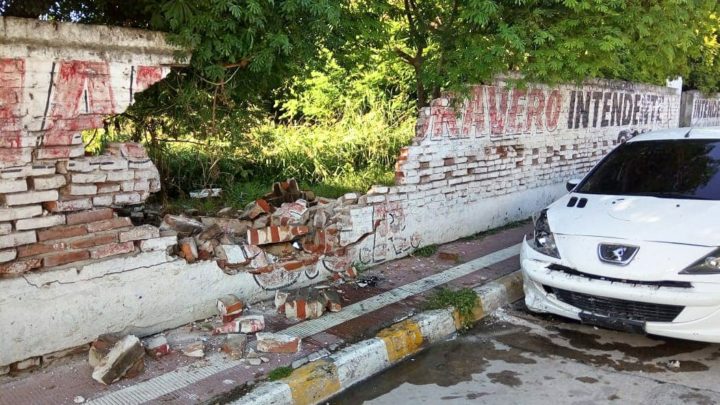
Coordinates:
[700,110]
[57,80]
[505,155]
[497,156]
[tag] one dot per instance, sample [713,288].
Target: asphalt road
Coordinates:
[515,357]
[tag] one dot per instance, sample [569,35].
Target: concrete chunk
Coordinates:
[125,355]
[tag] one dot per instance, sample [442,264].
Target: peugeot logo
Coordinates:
[619,255]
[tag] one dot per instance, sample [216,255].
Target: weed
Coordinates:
[426,251]
[463,301]
[360,267]
[280,373]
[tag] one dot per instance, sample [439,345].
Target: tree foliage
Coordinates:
[450,43]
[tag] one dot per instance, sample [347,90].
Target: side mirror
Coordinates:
[571,184]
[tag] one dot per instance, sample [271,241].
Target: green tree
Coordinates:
[705,67]
[450,43]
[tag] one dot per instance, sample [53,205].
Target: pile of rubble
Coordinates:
[286,230]
[115,356]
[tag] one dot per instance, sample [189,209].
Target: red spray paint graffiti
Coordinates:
[83,96]
[146,76]
[494,112]
[12,73]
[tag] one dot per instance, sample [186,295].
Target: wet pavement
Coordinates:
[518,357]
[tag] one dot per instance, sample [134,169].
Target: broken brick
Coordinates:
[101,346]
[290,213]
[126,355]
[234,345]
[305,304]
[182,225]
[140,233]
[196,349]
[157,346]
[188,249]
[277,343]
[228,225]
[256,209]
[206,249]
[243,324]
[275,234]
[161,243]
[25,365]
[280,299]
[230,306]
[334,303]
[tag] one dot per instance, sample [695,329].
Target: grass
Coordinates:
[280,373]
[463,301]
[426,251]
[349,155]
[238,195]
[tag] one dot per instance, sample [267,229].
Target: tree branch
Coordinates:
[404,55]
[242,64]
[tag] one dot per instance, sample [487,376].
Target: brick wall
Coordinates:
[57,80]
[499,155]
[700,110]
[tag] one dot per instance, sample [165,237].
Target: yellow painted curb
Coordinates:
[513,286]
[478,311]
[313,382]
[401,339]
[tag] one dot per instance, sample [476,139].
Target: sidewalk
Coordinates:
[399,292]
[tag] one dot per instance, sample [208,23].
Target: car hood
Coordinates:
[690,222]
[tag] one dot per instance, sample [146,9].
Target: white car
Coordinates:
[635,245]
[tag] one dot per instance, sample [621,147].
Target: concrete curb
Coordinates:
[320,380]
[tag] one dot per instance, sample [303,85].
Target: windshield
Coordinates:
[687,168]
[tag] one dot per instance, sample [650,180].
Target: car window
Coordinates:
[687,168]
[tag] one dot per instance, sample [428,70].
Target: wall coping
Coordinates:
[33,33]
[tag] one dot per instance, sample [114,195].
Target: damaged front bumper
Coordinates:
[698,319]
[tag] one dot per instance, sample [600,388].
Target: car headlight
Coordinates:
[544,240]
[709,264]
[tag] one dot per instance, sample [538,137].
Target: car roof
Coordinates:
[679,133]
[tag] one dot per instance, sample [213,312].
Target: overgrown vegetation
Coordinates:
[327,90]
[463,301]
[280,373]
